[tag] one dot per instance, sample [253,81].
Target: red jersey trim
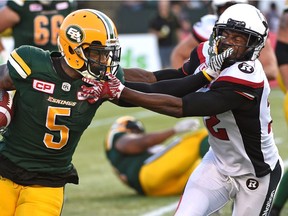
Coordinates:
[241,81]
[200,53]
[250,97]
[183,69]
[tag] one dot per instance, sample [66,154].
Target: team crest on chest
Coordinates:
[246,68]
[66,86]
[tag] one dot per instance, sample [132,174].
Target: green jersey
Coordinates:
[39,24]
[50,116]
[126,166]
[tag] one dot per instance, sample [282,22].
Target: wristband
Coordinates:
[207,75]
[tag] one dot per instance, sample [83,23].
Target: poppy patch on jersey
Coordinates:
[246,68]
[74,34]
[43,86]
[62,5]
[252,184]
[35,7]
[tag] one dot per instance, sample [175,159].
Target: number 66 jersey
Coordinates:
[39,22]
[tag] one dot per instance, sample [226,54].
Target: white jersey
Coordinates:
[242,142]
[242,163]
[237,154]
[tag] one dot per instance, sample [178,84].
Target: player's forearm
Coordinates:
[269,61]
[271,71]
[179,55]
[5,79]
[9,18]
[138,75]
[164,104]
[155,138]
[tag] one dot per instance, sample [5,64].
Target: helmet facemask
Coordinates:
[252,47]
[99,59]
[250,32]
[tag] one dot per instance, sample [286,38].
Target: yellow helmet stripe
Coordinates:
[19,64]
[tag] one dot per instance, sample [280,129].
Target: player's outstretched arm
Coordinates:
[134,143]
[9,18]
[5,79]
[138,75]
[182,51]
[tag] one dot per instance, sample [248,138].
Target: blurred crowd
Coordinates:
[171,21]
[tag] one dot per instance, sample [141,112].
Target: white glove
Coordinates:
[216,60]
[186,125]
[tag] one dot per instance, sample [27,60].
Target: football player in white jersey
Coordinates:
[201,32]
[243,163]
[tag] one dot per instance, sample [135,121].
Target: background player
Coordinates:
[203,29]
[149,167]
[282,57]
[35,23]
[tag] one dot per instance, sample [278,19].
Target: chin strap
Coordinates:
[86,74]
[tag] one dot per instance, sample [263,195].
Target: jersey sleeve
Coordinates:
[120,74]
[190,66]
[166,74]
[221,97]
[23,59]
[16,6]
[174,87]
[112,137]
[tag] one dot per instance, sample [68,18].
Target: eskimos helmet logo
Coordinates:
[75,34]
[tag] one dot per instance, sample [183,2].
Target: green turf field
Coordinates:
[100,193]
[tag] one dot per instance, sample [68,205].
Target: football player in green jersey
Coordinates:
[35,23]
[51,113]
[149,167]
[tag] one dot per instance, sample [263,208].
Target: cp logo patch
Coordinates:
[245,68]
[252,184]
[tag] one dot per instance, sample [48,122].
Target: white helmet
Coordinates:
[222,2]
[255,26]
[219,6]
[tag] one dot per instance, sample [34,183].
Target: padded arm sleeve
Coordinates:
[175,87]
[213,102]
[168,74]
